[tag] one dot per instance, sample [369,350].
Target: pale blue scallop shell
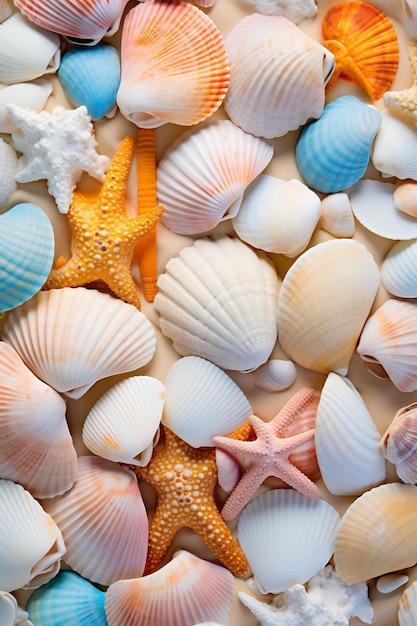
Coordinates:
[91,76]
[332,153]
[27,247]
[67,600]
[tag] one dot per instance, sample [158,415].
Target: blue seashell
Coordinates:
[67,600]
[333,152]
[27,247]
[91,77]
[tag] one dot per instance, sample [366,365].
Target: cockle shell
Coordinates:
[397,270]
[407,608]
[202,176]
[336,215]
[10,613]
[28,531]
[9,167]
[174,65]
[217,300]
[31,95]
[73,337]
[399,443]
[275,375]
[270,57]
[323,304]
[405,197]
[395,146]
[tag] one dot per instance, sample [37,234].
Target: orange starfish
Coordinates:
[103,236]
[184,479]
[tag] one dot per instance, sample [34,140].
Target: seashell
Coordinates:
[297,10]
[5,10]
[26,95]
[397,270]
[171,48]
[123,423]
[399,443]
[409,17]
[275,375]
[395,146]
[202,177]
[67,599]
[91,77]
[336,215]
[28,531]
[345,431]
[10,613]
[73,337]
[324,301]
[278,216]
[286,537]
[270,57]
[202,401]
[18,39]
[390,582]
[407,608]
[332,153]
[9,167]
[228,470]
[217,299]
[405,198]
[388,343]
[365,46]
[27,245]
[103,521]
[149,600]
[376,534]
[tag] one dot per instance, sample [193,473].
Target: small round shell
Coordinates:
[275,375]
[405,197]
[336,215]
[399,443]
[397,270]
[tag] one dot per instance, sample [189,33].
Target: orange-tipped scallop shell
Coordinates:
[364,43]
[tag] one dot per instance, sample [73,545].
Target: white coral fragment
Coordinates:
[295,10]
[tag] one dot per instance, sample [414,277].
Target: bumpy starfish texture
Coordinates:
[184,479]
[405,101]
[103,236]
[268,455]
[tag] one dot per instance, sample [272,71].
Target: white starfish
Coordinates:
[58,147]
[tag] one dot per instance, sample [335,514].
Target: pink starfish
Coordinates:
[269,454]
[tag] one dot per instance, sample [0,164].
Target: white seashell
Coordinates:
[123,423]
[397,270]
[202,176]
[344,431]
[278,216]
[295,10]
[228,470]
[8,168]
[5,10]
[217,300]
[73,337]
[409,17]
[405,198]
[28,531]
[323,304]
[10,613]
[286,537]
[390,582]
[395,146]
[399,443]
[202,401]
[336,215]
[30,95]
[275,375]
[407,609]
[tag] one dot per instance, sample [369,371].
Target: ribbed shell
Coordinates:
[395,146]
[407,609]
[397,270]
[399,443]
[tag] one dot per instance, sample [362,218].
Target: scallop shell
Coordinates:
[103,521]
[275,375]
[9,167]
[345,431]
[332,153]
[123,423]
[407,608]
[171,48]
[28,531]
[395,146]
[10,613]
[399,443]
[31,95]
[377,533]
[336,215]
[203,175]
[324,302]
[202,401]
[388,341]
[397,270]
[405,198]
[270,57]
[27,246]
[73,337]
[286,537]
[150,600]
[217,300]
[365,46]
[18,40]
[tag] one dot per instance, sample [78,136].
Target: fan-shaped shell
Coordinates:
[399,443]
[324,302]
[395,146]
[203,175]
[9,167]
[337,216]
[397,270]
[171,48]
[150,600]
[270,57]
[407,608]
[217,300]
[31,95]
[286,537]
[73,337]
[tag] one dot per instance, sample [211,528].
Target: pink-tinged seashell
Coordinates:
[407,608]
[337,216]
[399,443]
[405,198]
[103,521]
[185,591]
[174,65]
[228,470]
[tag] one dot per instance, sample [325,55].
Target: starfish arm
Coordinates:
[123,286]
[233,446]
[161,533]
[143,224]
[291,475]
[72,274]
[247,486]
[113,190]
[292,408]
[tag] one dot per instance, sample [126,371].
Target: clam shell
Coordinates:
[407,608]
[171,48]
[336,215]
[275,375]
[28,531]
[397,270]
[203,175]
[270,57]
[103,521]
[286,537]
[27,246]
[377,533]
[345,431]
[73,337]
[395,146]
[323,304]
[10,613]
[32,95]
[150,600]
[333,152]
[399,443]
[405,198]
[123,423]
[9,167]
[217,300]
